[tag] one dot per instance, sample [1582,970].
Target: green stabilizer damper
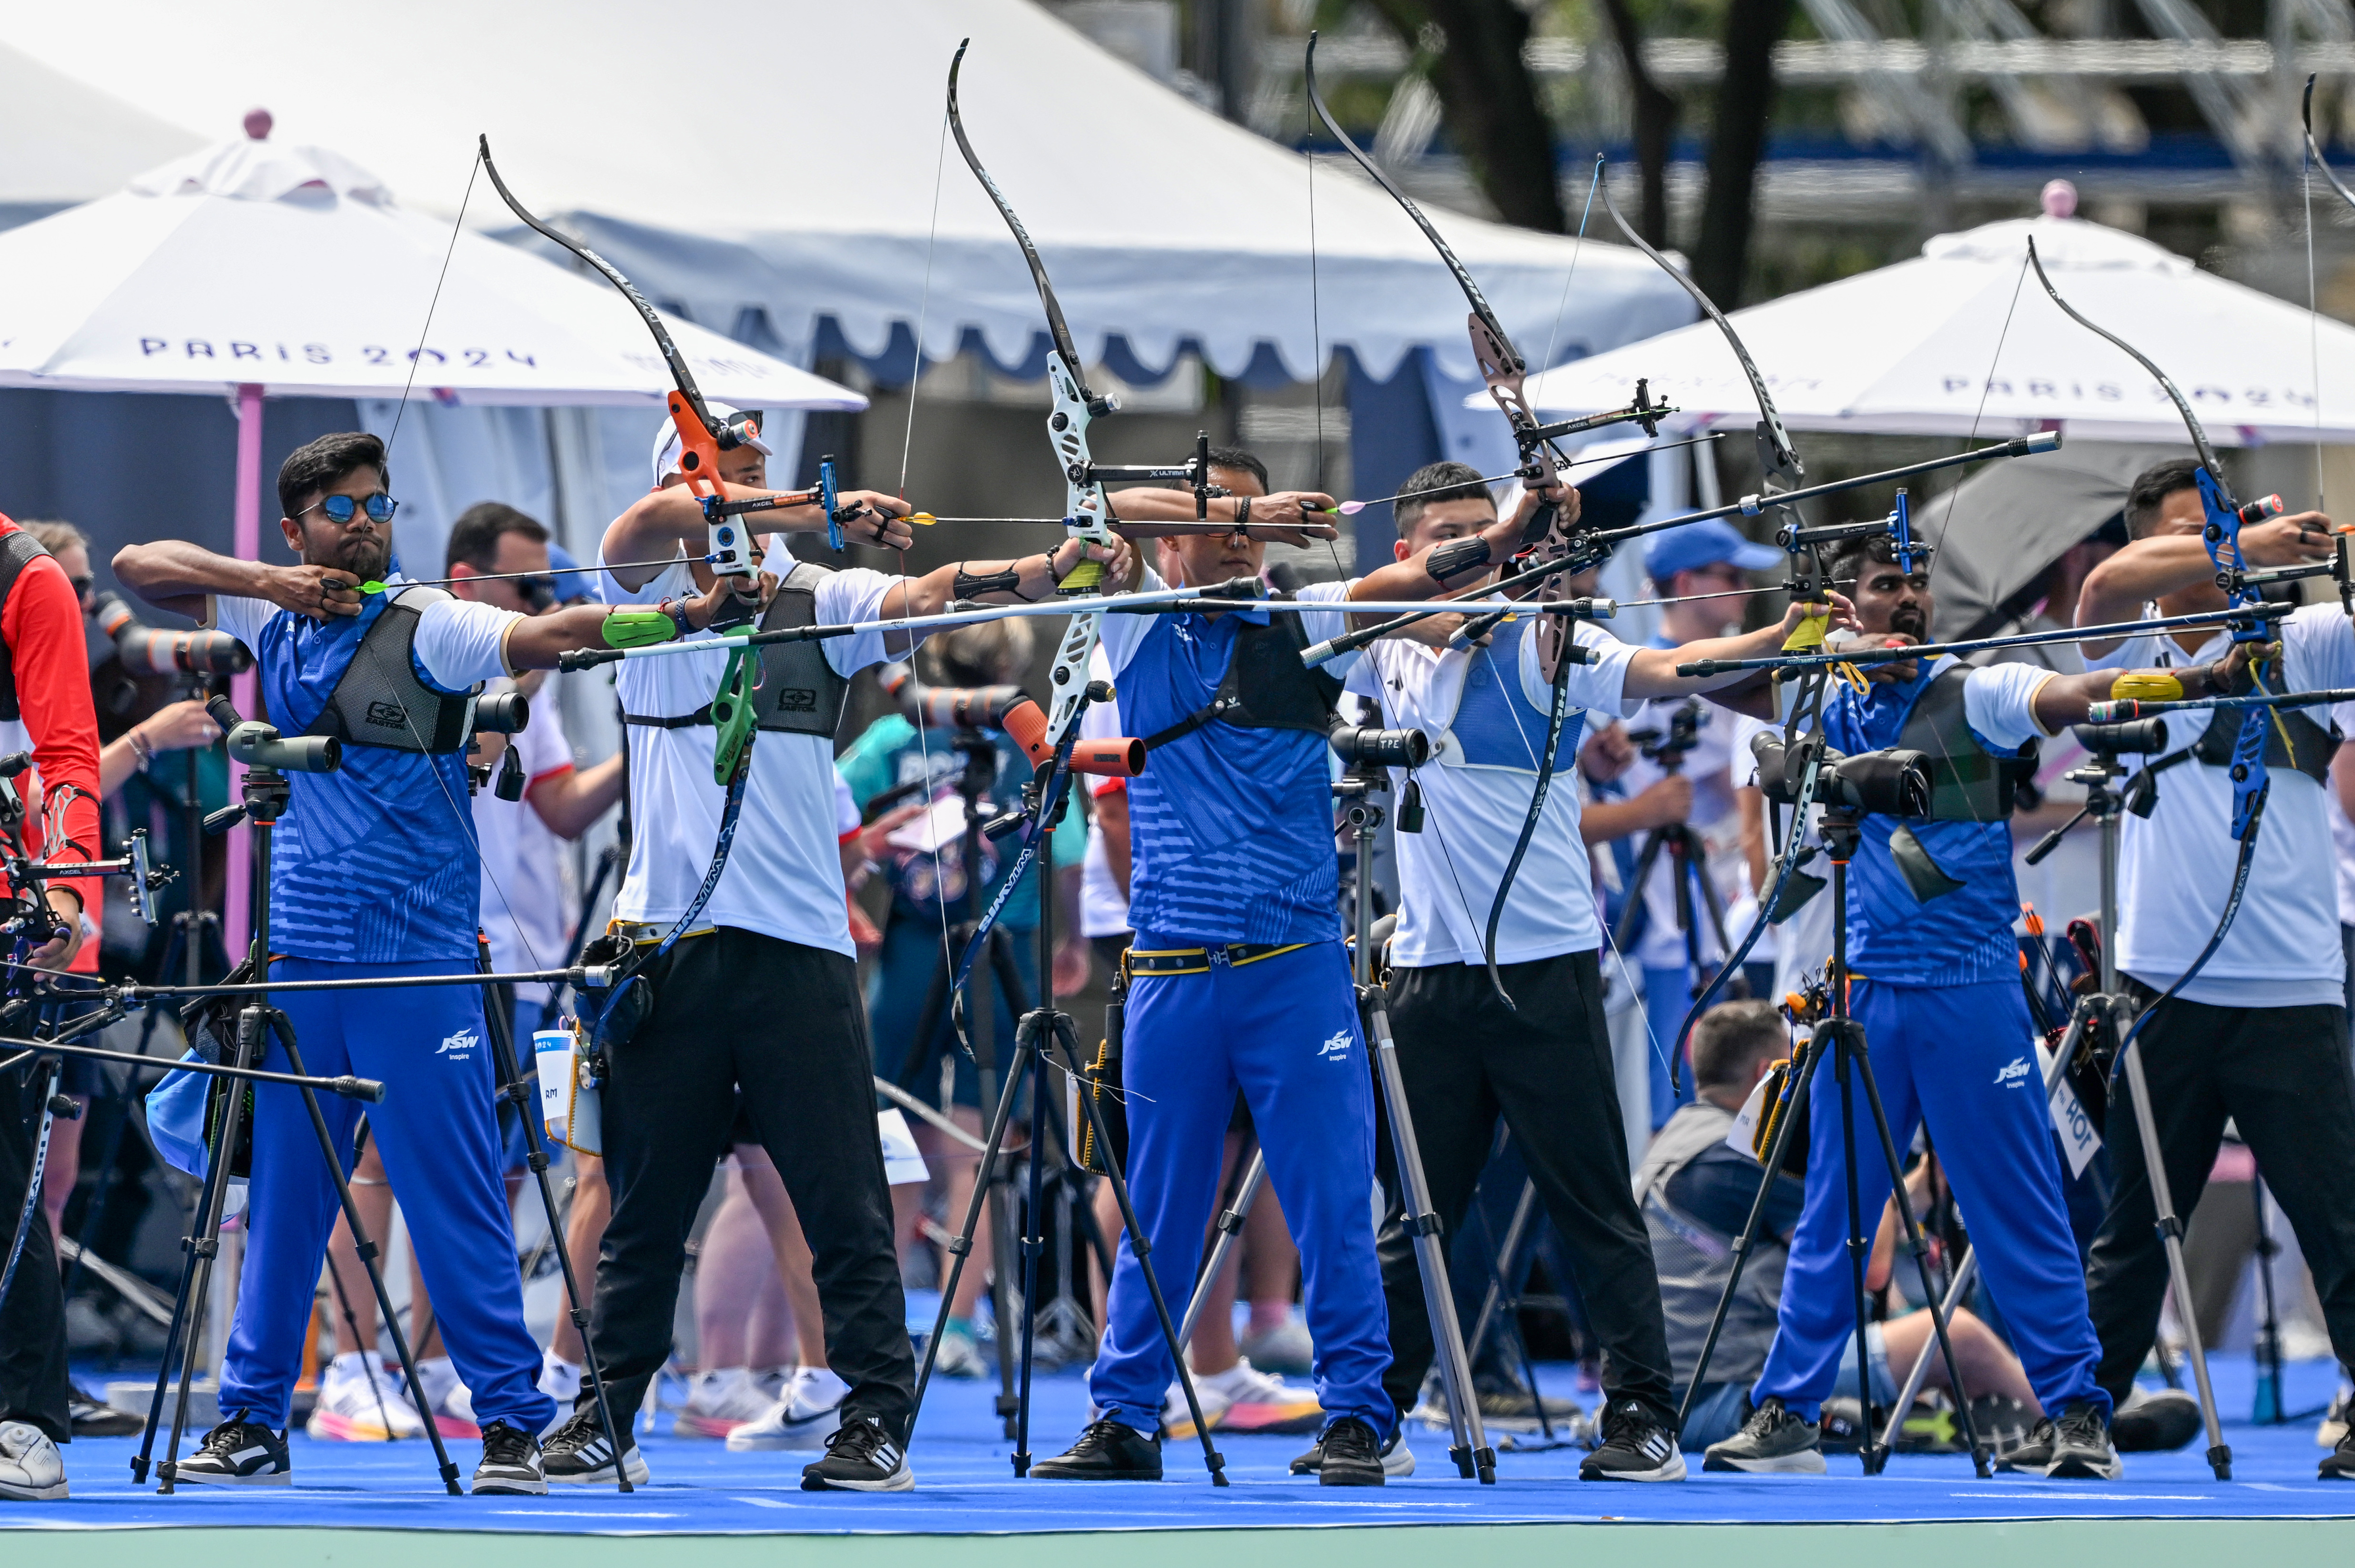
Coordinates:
[731,713]
[638,628]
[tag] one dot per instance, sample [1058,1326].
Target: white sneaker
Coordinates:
[1242,1399]
[805,1417]
[30,1470]
[560,1380]
[2333,1430]
[719,1401]
[362,1401]
[452,1402]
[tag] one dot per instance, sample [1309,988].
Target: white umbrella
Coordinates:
[263,269]
[1962,341]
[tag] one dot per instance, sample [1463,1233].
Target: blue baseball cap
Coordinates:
[573,581]
[1698,545]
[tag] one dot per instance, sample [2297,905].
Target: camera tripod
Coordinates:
[1839,1039]
[1043,1037]
[1469,1443]
[1688,856]
[263,800]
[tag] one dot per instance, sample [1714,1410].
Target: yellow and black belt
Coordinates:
[1202,960]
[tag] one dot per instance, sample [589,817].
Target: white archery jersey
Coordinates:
[1485,749]
[783,876]
[2175,868]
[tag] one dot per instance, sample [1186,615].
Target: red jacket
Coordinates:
[42,626]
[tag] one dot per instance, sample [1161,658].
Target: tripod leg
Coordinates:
[1230,1229]
[203,1250]
[960,1247]
[2170,1235]
[367,1249]
[1638,879]
[1875,1458]
[1469,1448]
[519,1094]
[1034,1243]
[1860,1247]
[996,1178]
[1504,1289]
[2270,1409]
[1067,1040]
[1502,1268]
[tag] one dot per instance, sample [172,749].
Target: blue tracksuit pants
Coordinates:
[1285,1030]
[439,1137]
[1962,1058]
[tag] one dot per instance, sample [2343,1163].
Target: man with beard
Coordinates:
[374,876]
[1934,973]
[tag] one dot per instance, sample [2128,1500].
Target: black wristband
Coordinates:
[1242,511]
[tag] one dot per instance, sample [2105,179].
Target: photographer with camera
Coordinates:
[1677,941]
[1544,1060]
[45,712]
[1935,983]
[2260,1034]
[374,875]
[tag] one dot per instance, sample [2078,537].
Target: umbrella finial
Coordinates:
[257,123]
[2059,199]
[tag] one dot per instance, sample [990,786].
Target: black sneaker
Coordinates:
[2032,1457]
[92,1419]
[1398,1459]
[861,1457]
[1772,1442]
[238,1452]
[2338,1464]
[577,1453]
[2156,1421]
[512,1465]
[1636,1446]
[2082,1450]
[1107,1451]
[1353,1455]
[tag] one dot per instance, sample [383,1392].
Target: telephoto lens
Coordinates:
[1889,783]
[1355,744]
[502,714]
[146,651]
[2135,738]
[950,706]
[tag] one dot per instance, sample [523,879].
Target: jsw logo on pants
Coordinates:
[2012,1074]
[1336,1049]
[460,1047]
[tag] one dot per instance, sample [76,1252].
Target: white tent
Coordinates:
[783,157]
[1962,340]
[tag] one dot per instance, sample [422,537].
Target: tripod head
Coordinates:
[1669,747]
[268,758]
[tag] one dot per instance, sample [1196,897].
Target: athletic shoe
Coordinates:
[1242,1399]
[2032,1457]
[1772,1442]
[859,1457]
[1353,1455]
[238,1452]
[1107,1451]
[1636,1446]
[807,1415]
[718,1402]
[960,1353]
[2081,1445]
[1286,1349]
[512,1464]
[560,1380]
[2338,1464]
[92,1419]
[30,1470]
[361,1400]
[2001,1422]
[1503,1408]
[2333,1430]
[1398,1459]
[2154,1420]
[450,1403]
[579,1454]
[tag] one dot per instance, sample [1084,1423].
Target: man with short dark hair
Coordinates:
[373,876]
[2259,1035]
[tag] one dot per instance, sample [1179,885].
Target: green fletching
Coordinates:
[638,628]
[732,712]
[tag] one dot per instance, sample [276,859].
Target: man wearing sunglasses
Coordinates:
[375,875]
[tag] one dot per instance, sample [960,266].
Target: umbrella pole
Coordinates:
[237,922]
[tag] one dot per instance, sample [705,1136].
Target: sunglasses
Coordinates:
[341,509]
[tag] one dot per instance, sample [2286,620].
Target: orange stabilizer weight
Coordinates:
[699,455]
[1117,758]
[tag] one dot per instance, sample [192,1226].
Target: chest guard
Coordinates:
[2292,741]
[1967,782]
[798,691]
[380,699]
[1266,687]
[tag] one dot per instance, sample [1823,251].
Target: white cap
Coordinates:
[666,443]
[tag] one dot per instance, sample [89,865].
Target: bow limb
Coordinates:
[2314,150]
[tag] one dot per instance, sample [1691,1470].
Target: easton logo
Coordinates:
[387,715]
[2013,1074]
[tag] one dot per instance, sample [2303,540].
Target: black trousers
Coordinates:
[33,1386]
[785,1024]
[1465,1058]
[2281,1075]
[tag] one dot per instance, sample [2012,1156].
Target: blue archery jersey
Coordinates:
[1231,828]
[376,862]
[1960,937]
